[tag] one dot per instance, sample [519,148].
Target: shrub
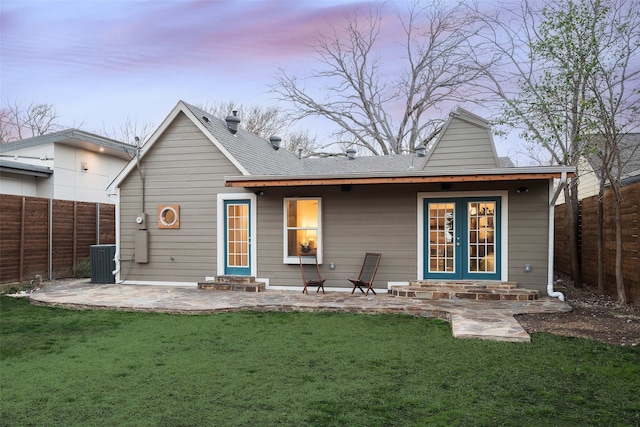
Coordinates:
[81,269]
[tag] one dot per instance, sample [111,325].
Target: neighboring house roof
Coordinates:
[506,162]
[9,166]
[258,162]
[76,138]
[630,156]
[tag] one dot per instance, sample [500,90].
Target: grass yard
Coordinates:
[108,368]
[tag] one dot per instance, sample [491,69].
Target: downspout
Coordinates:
[552,204]
[116,257]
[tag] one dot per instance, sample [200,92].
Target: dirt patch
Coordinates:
[594,316]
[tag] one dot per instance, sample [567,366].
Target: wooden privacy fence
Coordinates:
[588,241]
[48,237]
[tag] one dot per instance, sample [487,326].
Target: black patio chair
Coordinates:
[367,273]
[311,274]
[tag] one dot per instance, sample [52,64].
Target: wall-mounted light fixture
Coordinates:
[259,193]
[521,190]
[84,166]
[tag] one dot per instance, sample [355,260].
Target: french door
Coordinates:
[462,238]
[237,228]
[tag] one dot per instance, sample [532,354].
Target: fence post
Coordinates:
[50,238]
[22,225]
[75,234]
[98,223]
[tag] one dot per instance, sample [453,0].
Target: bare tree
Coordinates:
[5,127]
[129,130]
[262,121]
[20,121]
[370,109]
[301,141]
[266,122]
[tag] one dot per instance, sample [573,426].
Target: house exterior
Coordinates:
[65,165]
[589,170]
[205,200]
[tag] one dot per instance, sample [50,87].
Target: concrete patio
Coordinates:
[490,320]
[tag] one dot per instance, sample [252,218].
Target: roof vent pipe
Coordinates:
[299,153]
[275,142]
[351,153]
[233,122]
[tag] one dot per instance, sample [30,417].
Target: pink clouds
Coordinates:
[109,37]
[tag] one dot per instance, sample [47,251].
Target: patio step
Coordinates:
[468,290]
[233,283]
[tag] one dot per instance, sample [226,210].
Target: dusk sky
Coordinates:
[101,62]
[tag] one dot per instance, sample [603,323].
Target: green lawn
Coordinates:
[107,368]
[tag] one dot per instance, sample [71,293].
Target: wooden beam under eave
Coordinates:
[302,182]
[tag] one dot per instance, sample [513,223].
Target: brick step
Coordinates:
[233,283]
[234,279]
[487,291]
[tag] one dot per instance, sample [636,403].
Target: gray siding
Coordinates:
[529,234]
[384,219]
[365,219]
[463,145]
[182,168]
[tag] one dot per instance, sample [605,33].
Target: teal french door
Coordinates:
[237,226]
[462,238]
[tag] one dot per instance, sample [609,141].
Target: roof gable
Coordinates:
[75,138]
[465,142]
[249,153]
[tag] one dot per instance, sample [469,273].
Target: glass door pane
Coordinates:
[238,235]
[442,237]
[481,232]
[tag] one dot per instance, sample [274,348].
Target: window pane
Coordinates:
[302,213]
[481,237]
[441,237]
[302,233]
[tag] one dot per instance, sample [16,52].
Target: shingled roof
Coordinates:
[255,154]
[257,159]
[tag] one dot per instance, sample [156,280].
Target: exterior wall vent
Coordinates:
[351,153]
[233,121]
[275,142]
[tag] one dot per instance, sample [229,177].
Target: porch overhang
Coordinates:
[421,177]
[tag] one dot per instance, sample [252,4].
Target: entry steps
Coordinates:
[233,283]
[467,290]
